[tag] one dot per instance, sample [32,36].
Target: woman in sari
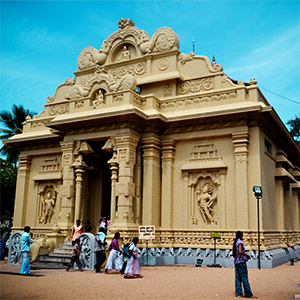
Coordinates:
[133,268]
[114,260]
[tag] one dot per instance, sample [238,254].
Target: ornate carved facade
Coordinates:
[152,136]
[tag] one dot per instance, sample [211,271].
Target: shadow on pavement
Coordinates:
[28,275]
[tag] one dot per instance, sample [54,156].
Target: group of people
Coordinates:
[129,265]
[124,261]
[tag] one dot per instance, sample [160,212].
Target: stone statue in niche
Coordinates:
[206,196]
[125,54]
[99,99]
[48,204]
[167,90]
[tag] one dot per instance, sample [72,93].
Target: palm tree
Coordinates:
[13,125]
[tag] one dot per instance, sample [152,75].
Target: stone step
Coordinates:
[62,251]
[38,265]
[58,259]
[60,254]
[65,247]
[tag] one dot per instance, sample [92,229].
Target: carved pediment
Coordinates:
[126,43]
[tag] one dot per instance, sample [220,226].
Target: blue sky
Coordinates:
[41,40]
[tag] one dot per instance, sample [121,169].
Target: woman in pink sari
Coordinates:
[133,268]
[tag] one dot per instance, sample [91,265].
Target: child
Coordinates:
[75,256]
[126,255]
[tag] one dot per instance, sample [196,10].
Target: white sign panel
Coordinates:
[147,232]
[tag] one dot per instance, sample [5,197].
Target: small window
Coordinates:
[268,146]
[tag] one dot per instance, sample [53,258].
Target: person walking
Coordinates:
[114,260]
[26,242]
[100,249]
[75,256]
[126,255]
[77,231]
[103,223]
[241,272]
[133,268]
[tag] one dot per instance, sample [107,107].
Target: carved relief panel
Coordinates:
[47,200]
[206,196]
[204,186]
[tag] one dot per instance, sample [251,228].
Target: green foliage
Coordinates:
[294,125]
[8,178]
[13,125]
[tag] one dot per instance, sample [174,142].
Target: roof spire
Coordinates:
[193,45]
[213,61]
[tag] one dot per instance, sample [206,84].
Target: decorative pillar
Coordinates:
[288,214]
[240,142]
[280,204]
[67,187]
[222,197]
[114,179]
[138,189]
[125,145]
[22,191]
[167,158]
[79,165]
[187,213]
[151,182]
[296,208]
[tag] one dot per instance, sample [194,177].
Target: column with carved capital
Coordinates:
[79,166]
[114,179]
[167,161]
[151,181]
[280,209]
[241,142]
[125,145]
[68,186]
[295,201]
[22,191]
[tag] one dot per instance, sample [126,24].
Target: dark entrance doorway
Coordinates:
[98,184]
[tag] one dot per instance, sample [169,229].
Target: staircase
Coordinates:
[58,259]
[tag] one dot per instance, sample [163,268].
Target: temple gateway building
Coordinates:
[152,136]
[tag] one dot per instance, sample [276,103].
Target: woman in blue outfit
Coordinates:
[26,242]
[241,272]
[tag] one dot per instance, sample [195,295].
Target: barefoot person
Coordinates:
[133,268]
[100,249]
[75,256]
[114,260]
[26,241]
[241,272]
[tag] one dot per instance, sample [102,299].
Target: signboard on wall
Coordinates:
[147,232]
[216,235]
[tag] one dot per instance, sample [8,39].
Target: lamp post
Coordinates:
[258,194]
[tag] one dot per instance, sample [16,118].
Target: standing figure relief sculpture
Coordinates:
[48,200]
[206,195]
